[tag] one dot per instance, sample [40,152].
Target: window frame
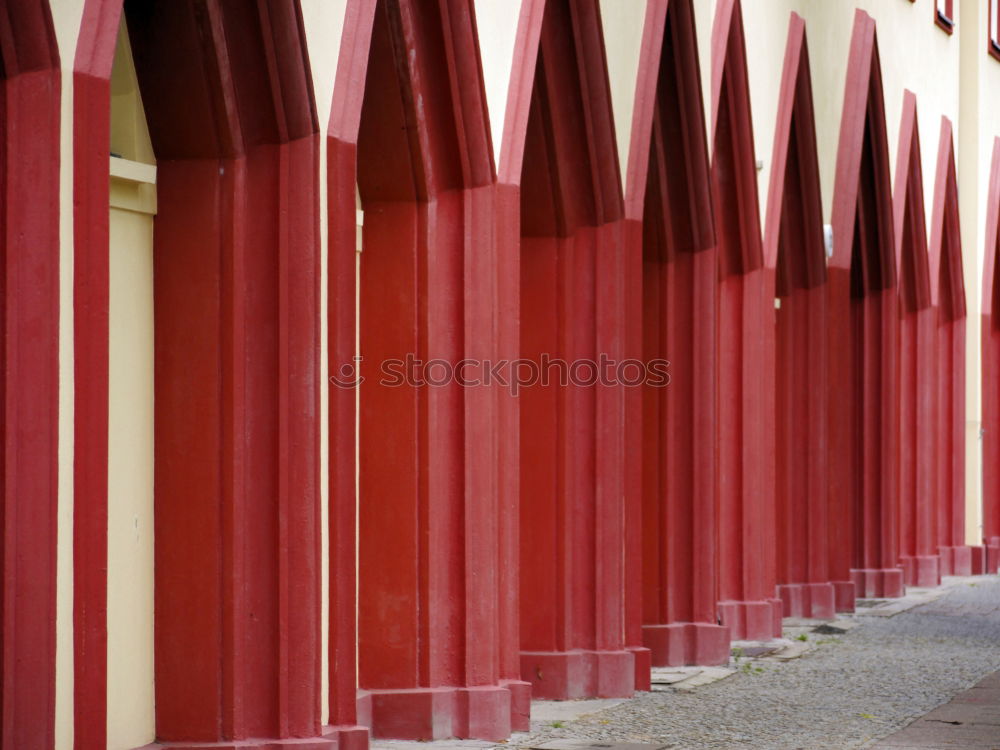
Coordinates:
[945,17]
[993,29]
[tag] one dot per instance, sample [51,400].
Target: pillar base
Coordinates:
[568,675]
[481,713]
[922,571]
[962,561]
[643,665]
[992,555]
[844,595]
[348,737]
[752,621]
[814,601]
[520,704]
[312,743]
[687,644]
[881,583]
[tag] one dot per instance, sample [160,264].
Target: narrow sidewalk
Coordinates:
[970,720]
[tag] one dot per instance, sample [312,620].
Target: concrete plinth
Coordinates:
[752,621]
[844,595]
[520,704]
[881,583]
[962,561]
[643,664]
[569,675]
[686,644]
[482,713]
[923,571]
[808,600]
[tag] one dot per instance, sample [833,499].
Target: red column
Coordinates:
[236,254]
[559,149]
[430,531]
[991,370]
[917,357]
[863,327]
[747,585]
[948,295]
[672,290]
[29,416]
[795,258]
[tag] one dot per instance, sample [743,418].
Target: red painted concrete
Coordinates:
[863,330]
[236,299]
[508,279]
[748,602]
[429,634]
[91,130]
[795,260]
[948,298]
[991,369]
[917,378]
[559,151]
[672,284]
[29,416]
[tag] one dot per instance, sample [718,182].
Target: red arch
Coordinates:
[429,472]
[745,490]
[863,326]
[948,298]
[29,248]
[917,344]
[991,369]
[671,291]
[231,117]
[796,262]
[560,167]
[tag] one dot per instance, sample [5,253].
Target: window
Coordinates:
[994,29]
[944,14]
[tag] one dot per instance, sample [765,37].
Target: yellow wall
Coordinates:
[130,415]
[324,22]
[66,15]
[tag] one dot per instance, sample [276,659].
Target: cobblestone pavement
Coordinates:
[847,692]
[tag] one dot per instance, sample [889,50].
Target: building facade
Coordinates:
[373,367]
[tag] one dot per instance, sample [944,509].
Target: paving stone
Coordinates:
[848,691]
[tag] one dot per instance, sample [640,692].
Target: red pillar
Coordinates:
[991,369]
[918,425]
[748,601]
[29,417]
[948,296]
[559,151]
[236,256]
[863,330]
[430,529]
[672,293]
[796,263]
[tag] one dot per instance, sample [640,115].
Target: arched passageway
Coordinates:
[917,354]
[863,338]
[795,258]
[672,297]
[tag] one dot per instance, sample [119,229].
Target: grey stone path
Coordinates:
[850,690]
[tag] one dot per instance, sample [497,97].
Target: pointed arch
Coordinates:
[863,326]
[948,298]
[796,263]
[917,354]
[745,490]
[409,139]
[30,86]
[231,117]
[560,172]
[672,287]
[991,368]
